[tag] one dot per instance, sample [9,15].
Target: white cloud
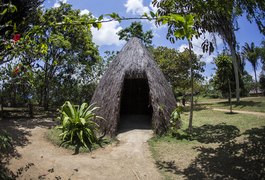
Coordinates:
[84,11]
[107,34]
[136,7]
[198,50]
[57,3]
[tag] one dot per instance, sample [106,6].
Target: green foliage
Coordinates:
[175,66]
[16,17]
[247,83]
[78,124]
[262,82]
[224,74]
[59,49]
[114,16]
[213,14]
[183,25]
[5,141]
[175,119]
[136,30]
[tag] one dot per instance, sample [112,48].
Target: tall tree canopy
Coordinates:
[216,16]
[136,30]
[175,66]
[223,78]
[24,13]
[57,53]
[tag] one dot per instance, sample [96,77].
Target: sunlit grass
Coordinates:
[256,104]
[174,155]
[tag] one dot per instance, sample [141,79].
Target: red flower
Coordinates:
[16,37]
[16,70]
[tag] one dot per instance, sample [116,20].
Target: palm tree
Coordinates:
[251,53]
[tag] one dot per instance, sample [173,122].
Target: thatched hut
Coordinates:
[133,83]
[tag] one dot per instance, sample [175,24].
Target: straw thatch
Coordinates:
[133,62]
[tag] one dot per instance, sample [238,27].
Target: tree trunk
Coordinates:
[230,96]
[46,98]
[30,106]
[256,81]
[192,88]
[236,72]
[46,92]
[41,96]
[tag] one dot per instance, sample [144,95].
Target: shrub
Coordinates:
[5,141]
[78,125]
[175,119]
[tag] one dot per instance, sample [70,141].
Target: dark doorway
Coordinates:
[135,109]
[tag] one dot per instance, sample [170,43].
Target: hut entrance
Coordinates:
[135,109]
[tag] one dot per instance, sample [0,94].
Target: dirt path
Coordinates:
[239,111]
[129,159]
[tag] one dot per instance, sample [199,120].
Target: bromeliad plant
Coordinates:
[78,125]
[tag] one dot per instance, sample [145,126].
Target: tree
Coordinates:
[216,16]
[136,30]
[223,76]
[247,82]
[59,49]
[183,28]
[251,53]
[175,67]
[262,82]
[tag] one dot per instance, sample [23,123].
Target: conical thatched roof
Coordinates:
[133,62]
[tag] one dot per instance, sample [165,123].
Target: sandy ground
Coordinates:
[129,159]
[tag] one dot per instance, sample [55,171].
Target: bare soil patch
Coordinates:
[128,159]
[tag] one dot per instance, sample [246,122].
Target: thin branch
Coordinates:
[106,21]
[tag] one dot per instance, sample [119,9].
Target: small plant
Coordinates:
[5,141]
[175,119]
[78,125]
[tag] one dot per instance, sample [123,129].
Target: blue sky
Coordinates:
[107,39]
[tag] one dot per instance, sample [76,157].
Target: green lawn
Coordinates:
[256,104]
[224,146]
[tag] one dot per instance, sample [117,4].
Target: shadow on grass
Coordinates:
[230,160]
[231,113]
[197,107]
[241,104]
[210,133]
